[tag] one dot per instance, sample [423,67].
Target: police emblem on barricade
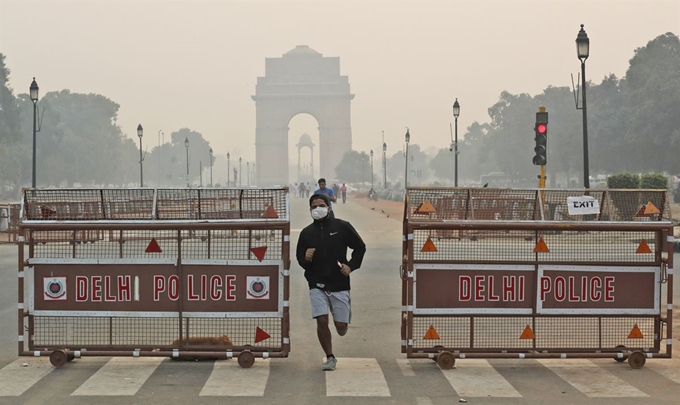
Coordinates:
[54,288]
[258,288]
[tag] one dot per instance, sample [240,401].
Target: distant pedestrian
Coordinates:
[328,193]
[343,190]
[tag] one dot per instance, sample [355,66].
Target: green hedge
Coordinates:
[654,181]
[623,180]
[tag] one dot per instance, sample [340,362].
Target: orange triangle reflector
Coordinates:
[651,209]
[635,333]
[46,211]
[643,247]
[428,246]
[425,208]
[260,335]
[641,212]
[153,247]
[270,212]
[259,252]
[541,247]
[527,334]
[431,333]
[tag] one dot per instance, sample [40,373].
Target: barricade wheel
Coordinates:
[246,359]
[636,360]
[621,359]
[445,360]
[58,358]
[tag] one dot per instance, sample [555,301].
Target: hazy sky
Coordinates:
[174,64]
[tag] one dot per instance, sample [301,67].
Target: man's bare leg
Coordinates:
[324,334]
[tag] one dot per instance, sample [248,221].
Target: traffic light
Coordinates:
[541,130]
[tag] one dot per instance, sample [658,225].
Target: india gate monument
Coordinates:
[301,81]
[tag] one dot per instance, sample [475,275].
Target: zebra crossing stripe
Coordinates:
[591,379]
[228,379]
[356,377]
[405,367]
[15,379]
[120,376]
[478,378]
[669,368]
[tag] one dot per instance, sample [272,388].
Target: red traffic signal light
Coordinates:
[541,138]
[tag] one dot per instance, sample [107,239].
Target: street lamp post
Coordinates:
[211,165]
[371,168]
[583,50]
[186,145]
[240,173]
[408,139]
[34,97]
[456,113]
[228,169]
[140,134]
[248,170]
[384,164]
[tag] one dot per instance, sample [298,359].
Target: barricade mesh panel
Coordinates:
[154,204]
[132,244]
[565,246]
[496,334]
[59,332]
[240,331]
[528,205]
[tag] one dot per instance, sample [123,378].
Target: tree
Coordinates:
[12,153]
[354,167]
[653,79]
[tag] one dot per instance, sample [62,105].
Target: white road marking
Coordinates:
[590,379]
[669,368]
[120,376]
[405,366]
[424,401]
[356,377]
[15,379]
[228,379]
[478,378]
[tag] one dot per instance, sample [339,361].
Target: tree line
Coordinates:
[633,126]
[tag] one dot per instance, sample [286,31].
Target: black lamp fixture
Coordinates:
[34,90]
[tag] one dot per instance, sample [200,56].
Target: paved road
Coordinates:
[371,369]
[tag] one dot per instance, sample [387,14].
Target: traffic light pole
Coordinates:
[541,177]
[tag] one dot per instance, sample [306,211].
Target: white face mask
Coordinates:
[319,212]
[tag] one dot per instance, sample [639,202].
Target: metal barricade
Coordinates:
[9,222]
[502,273]
[183,273]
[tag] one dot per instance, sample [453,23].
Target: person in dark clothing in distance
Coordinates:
[322,252]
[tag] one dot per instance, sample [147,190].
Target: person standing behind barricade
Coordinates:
[328,193]
[322,252]
[343,190]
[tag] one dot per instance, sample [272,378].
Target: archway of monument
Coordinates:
[303,149]
[302,81]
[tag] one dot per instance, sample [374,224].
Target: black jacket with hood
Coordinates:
[330,237]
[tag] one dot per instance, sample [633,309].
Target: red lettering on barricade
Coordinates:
[215,288]
[492,296]
[173,289]
[81,289]
[124,293]
[159,287]
[117,287]
[96,288]
[609,289]
[479,288]
[230,288]
[464,290]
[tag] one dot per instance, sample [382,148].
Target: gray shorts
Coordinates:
[338,303]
